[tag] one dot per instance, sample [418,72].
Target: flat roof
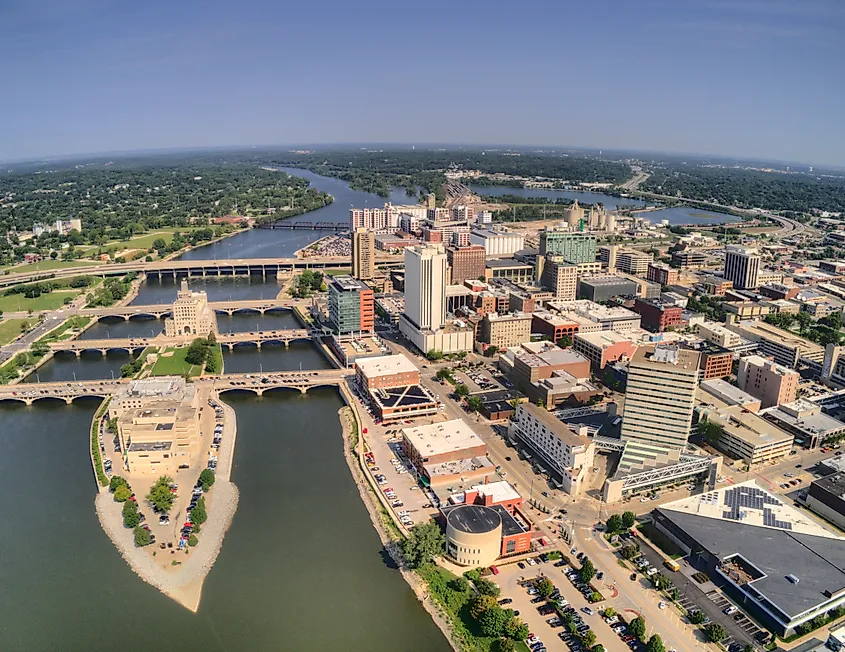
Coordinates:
[348,284]
[385,365]
[724,391]
[444,437]
[775,538]
[499,492]
[595,281]
[506,263]
[834,484]
[604,339]
[764,330]
[409,396]
[818,423]
[561,430]
[667,355]
[473,519]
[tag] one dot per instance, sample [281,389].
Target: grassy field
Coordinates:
[66,330]
[51,301]
[144,241]
[47,265]
[175,364]
[10,329]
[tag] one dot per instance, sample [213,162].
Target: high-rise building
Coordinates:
[633,262]
[191,315]
[425,286]
[662,274]
[742,266]
[466,262]
[560,277]
[363,254]
[660,396]
[574,247]
[772,383]
[351,306]
[607,255]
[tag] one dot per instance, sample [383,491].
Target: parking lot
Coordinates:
[509,578]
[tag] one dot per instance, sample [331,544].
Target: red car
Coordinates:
[494,570]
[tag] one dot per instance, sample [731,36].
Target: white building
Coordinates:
[742,266]
[569,456]
[192,316]
[499,243]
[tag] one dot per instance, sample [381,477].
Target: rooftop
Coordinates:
[660,356]
[761,329]
[603,339]
[410,396]
[760,361]
[553,424]
[594,311]
[444,437]
[156,386]
[499,492]
[506,263]
[473,519]
[596,281]
[385,365]
[348,284]
[834,484]
[800,416]
[724,391]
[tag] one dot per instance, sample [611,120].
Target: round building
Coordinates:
[473,535]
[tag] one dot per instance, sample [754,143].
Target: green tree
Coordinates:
[696,617]
[206,479]
[661,582]
[564,342]
[122,493]
[459,584]
[588,638]
[505,645]
[197,352]
[434,355]
[629,551]
[587,572]
[424,544]
[444,374]
[637,627]
[516,629]
[198,513]
[142,537]
[714,631]
[115,482]
[481,603]
[461,390]
[804,321]
[492,622]
[598,648]
[160,495]
[655,644]
[628,519]
[609,612]
[545,587]
[486,587]
[748,648]
[192,540]
[614,523]
[474,403]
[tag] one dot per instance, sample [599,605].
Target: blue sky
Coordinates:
[754,78]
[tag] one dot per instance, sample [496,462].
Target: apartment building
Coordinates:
[560,277]
[772,383]
[662,274]
[633,262]
[363,254]
[505,330]
[604,347]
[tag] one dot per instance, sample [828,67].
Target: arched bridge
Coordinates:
[138,344]
[257,383]
[164,309]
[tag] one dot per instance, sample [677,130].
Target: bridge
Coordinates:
[201,268]
[306,226]
[228,340]
[68,392]
[160,310]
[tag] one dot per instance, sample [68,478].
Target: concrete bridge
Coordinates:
[138,344]
[200,268]
[161,310]
[68,392]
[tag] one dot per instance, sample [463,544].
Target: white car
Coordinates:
[662,604]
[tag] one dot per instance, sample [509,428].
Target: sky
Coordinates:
[747,78]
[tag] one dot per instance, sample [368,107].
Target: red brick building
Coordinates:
[466,262]
[662,274]
[386,371]
[657,316]
[552,326]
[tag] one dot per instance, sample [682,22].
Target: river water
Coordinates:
[610,202]
[301,567]
[268,243]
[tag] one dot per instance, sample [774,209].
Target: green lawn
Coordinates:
[66,330]
[50,301]
[46,265]
[10,329]
[144,241]
[175,364]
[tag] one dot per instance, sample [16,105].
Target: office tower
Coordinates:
[425,286]
[767,380]
[574,247]
[633,262]
[742,266]
[351,306]
[363,254]
[466,263]
[560,278]
[660,396]
[607,255]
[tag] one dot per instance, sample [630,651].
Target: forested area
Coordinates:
[378,171]
[750,188]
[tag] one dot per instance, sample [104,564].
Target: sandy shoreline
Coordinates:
[370,502]
[183,584]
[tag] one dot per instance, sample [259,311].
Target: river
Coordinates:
[610,202]
[689,215]
[301,567]
[268,243]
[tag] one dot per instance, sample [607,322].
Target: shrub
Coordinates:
[122,493]
[192,540]
[142,537]
[206,479]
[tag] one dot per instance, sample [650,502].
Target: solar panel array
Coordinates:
[745,498]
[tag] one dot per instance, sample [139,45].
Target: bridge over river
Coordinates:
[257,383]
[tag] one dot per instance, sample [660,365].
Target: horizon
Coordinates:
[745,79]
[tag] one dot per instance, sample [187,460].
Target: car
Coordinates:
[587,610]
[505,601]
[521,565]
[661,604]
[573,551]
[729,610]
[539,598]
[599,576]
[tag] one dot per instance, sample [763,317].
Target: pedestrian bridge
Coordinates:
[138,344]
[68,392]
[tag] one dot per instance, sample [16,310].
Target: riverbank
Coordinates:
[352,452]
[182,581]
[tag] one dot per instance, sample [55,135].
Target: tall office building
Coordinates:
[425,286]
[351,306]
[363,254]
[574,247]
[466,262]
[742,266]
[560,278]
[660,396]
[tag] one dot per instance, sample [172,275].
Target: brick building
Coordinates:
[658,316]
[466,262]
